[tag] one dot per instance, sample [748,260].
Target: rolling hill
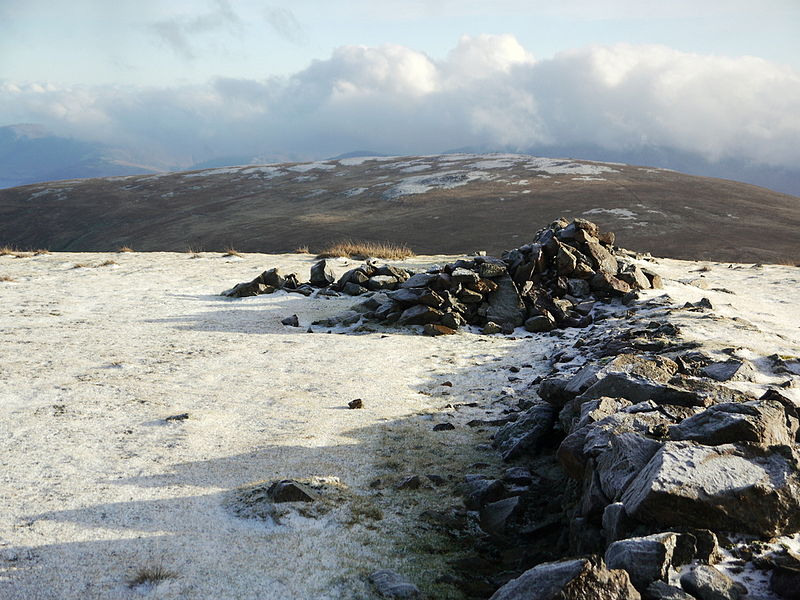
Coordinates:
[452,203]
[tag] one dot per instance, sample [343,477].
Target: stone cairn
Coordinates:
[553,282]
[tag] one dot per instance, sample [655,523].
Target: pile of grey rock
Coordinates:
[552,282]
[659,460]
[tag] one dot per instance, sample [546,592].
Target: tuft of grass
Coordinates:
[40,251]
[230,251]
[108,263]
[152,575]
[363,250]
[193,252]
[125,249]
[15,252]
[6,278]
[81,266]
[302,250]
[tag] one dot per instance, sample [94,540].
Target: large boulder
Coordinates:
[419,314]
[657,368]
[733,487]
[759,421]
[579,579]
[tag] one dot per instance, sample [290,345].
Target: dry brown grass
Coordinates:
[125,249]
[302,250]
[81,266]
[152,575]
[15,252]
[6,278]
[108,263]
[229,251]
[41,251]
[193,252]
[363,250]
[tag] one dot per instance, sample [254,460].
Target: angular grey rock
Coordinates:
[638,389]
[657,368]
[578,579]
[601,258]
[539,324]
[635,278]
[292,321]
[482,491]
[491,328]
[419,314]
[505,305]
[605,282]
[393,585]
[659,590]
[382,282]
[462,275]
[491,268]
[416,296]
[353,289]
[578,288]
[419,280]
[759,421]
[247,289]
[741,488]
[566,261]
[495,516]
[646,559]
[322,274]
[616,522]
[273,277]
[727,370]
[528,433]
[786,583]
[619,463]
[707,583]
[291,491]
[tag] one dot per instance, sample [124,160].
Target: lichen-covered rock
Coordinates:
[579,579]
[748,489]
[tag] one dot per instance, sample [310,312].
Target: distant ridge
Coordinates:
[453,203]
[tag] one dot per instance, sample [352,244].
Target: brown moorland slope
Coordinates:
[435,204]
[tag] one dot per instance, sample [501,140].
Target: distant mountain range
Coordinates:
[30,154]
[449,203]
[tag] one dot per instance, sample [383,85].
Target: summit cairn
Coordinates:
[552,282]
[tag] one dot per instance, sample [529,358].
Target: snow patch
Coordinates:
[444,180]
[305,167]
[622,213]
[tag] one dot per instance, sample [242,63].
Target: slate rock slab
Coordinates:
[732,487]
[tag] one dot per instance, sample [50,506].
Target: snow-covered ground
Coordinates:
[95,484]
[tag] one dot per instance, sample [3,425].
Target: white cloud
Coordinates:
[488,91]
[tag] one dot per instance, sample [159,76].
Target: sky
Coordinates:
[179,82]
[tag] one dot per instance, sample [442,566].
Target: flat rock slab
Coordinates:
[731,487]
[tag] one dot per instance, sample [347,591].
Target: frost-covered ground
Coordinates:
[95,484]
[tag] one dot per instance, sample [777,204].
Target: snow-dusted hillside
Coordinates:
[102,475]
[443,203]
